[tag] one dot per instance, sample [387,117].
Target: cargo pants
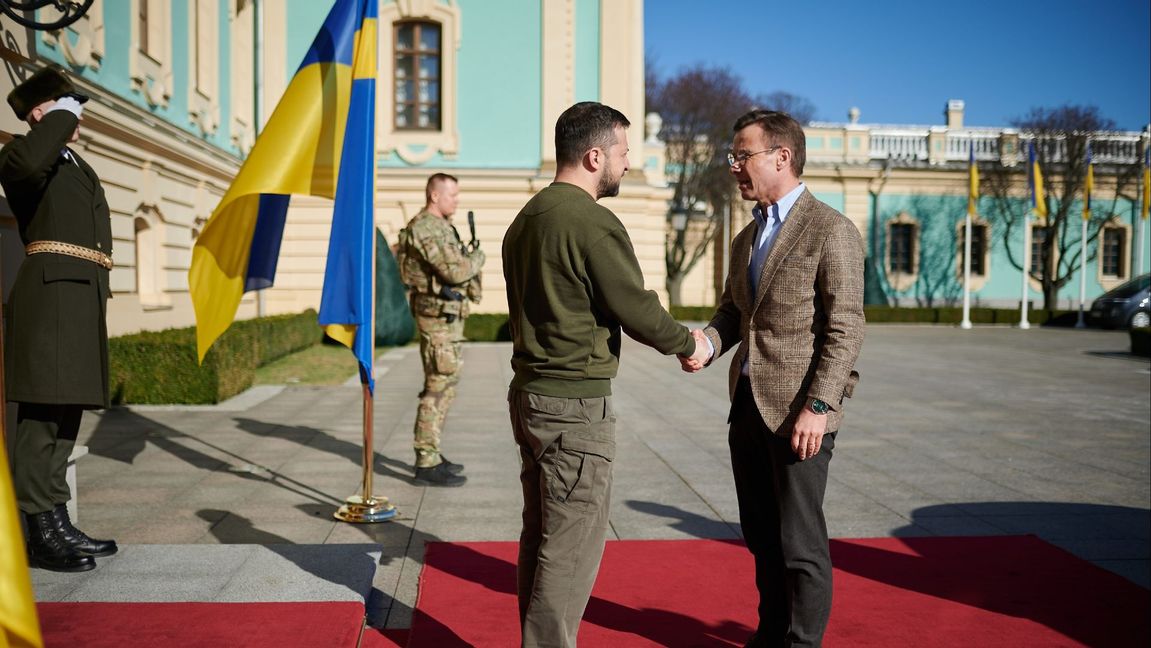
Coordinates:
[567,446]
[440,353]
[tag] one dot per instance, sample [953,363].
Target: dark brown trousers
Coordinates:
[781,514]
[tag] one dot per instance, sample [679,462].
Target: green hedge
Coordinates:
[493,327]
[161,367]
[1141,341]
[941,315]
[487,327]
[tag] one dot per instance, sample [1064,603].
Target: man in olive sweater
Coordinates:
[573,284]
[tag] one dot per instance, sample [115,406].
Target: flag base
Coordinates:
[358,510]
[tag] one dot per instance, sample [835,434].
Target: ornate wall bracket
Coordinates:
[70,12]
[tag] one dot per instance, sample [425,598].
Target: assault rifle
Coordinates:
[475,244]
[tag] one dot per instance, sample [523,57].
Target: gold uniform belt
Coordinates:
[68,249]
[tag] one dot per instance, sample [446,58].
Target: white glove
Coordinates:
[67,103]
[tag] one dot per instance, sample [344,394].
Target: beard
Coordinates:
[608,184]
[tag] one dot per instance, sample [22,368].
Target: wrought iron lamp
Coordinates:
[70,11]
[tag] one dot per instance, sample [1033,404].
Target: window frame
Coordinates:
[1126,250]
[416,53]
[417,147]
[977,279]
[902,281]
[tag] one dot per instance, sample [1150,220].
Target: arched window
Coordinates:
[149,249]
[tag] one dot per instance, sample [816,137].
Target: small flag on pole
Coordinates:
[1035,183]
[1088,185]
[973,188]
[1146,207]
[319,141]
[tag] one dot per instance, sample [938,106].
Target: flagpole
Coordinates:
[972,190]
[366,508]
[1089,185]
[1023,323]
[1144,201]
[1080,322]
[966,323]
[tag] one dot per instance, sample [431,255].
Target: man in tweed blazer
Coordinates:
[792,307]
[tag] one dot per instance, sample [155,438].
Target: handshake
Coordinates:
[702,355]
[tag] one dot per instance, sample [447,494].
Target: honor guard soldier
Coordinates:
[57,346]
[443,276]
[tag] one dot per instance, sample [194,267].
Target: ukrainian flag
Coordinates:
[1035,183]
[1088,185]
[319,142]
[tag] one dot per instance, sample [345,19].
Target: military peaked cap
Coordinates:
[45,85]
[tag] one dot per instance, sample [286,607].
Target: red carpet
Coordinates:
[946,592]
[201,625]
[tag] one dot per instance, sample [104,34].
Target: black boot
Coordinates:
[438,475]
[452,467]
[47,549]
[79,540]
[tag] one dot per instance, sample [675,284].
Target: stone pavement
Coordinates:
[984,432]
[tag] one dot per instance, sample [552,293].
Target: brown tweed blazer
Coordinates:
[803,329]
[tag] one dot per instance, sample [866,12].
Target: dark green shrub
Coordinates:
[692,313]
[161,367]
[487,327]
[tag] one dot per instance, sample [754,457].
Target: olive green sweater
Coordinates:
[573,283]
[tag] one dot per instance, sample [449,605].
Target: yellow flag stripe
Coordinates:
[19,625]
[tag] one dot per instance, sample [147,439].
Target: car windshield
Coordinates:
[1131,287]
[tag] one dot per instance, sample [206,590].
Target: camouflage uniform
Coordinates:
[433,258]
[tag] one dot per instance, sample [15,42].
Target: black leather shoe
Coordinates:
[47,550]
[79,540]
[438,475]
[452,467]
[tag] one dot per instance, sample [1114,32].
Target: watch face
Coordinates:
[818,406]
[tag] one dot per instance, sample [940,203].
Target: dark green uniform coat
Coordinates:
[57,350]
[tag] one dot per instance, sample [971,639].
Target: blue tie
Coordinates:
[763,246]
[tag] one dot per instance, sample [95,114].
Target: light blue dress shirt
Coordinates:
[770,219]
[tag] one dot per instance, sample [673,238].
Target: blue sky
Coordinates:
[899,61]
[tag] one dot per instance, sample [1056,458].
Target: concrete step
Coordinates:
[220,574]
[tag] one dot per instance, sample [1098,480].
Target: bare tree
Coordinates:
[1060,135]
[802,110]
[699,105]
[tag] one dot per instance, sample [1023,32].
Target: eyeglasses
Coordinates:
[738,160]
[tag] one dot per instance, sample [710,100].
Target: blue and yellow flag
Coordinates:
[319,141]
[1088,185]
[19,627]
[1035,184]
[973,185]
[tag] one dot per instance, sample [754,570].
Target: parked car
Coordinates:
[1128,306]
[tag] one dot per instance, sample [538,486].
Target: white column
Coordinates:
[1080,322]
[966,323]
[1023,323]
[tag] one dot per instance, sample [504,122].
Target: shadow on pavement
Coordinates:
[121,435]
[688,522]
[325,442]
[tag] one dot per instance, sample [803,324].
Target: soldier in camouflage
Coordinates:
[442,275]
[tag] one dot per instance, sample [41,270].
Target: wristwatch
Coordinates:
[818,406]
